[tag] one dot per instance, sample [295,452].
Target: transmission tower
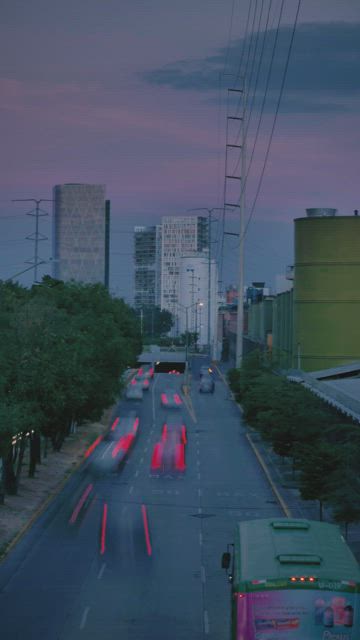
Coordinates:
[36,237]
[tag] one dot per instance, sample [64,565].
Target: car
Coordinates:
[134,391]
[111,452]
[207,384]
[143,380]
[206,370]
[174,425]
[171,399]
[168,456]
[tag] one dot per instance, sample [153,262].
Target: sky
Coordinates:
[133,94]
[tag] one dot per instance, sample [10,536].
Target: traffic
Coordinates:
[131,546]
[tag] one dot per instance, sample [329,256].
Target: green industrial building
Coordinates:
[326,299]
[316,325]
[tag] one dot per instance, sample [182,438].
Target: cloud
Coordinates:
[323,74]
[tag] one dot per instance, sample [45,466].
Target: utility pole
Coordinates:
[240,312]
[210,211]
[36,236]
[240,205]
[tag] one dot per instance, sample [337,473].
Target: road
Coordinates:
[141,559]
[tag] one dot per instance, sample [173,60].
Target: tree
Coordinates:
[317,473]
[155,321]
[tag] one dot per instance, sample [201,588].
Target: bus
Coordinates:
[292,579]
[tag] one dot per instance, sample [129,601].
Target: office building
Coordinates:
[196,273]
[180,235]
[147,266]
[79,232]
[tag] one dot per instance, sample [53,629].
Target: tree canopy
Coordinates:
[64,349]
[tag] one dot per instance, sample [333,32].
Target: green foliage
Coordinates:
[63,350]
[155,321]
[324,448]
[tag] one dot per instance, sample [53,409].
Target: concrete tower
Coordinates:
[79,232]
[326,290]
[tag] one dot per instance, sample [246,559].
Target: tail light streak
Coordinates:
[93,446]
[103,529]
[115,424]
[146,530]
[80,504]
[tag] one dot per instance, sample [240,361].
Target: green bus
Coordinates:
[292,579]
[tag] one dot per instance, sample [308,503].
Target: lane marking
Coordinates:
[199,475]
[206,622]
[279,498]
[200,493]
[198,463]
[84,617]
[142,460]
[200,538]
[131,489]
[100,574]
[199,510]
[203,576]
[145,450]
[136,473]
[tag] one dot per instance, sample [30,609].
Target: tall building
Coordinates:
[79,232]
[194,314]
[146,258]
[180,235]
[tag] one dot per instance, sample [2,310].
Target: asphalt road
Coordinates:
[141,558]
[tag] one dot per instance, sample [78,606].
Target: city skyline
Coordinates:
[114,98]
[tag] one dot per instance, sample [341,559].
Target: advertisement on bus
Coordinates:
[298,615]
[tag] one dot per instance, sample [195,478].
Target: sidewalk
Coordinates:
[34,494]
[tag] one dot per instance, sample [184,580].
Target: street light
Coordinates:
[210,212]
[187,307]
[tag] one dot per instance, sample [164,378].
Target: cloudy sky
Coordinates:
[133,94]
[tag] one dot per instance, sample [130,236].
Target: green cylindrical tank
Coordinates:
[326,290]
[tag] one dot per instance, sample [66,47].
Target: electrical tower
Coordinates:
[36,237]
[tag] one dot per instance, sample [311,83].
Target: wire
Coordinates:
[275,117]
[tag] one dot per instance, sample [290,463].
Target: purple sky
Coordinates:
[126,93]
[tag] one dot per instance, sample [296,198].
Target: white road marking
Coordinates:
[200,538]
[145,450]
[199,475]
[199,492]
[142,460]
[199,510]
[198,463]
[100,574]
[203,576]
[136,473]
[84,616]
[131,489]
[107,449]
[206,622]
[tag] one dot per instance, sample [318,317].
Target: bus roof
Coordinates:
[281,547]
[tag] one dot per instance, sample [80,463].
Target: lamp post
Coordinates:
[187,307]
[209,211]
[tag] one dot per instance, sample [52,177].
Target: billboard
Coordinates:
[298,615]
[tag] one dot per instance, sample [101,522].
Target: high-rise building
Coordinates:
[79,232]
[180,235]
[146,258]
[194,314]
